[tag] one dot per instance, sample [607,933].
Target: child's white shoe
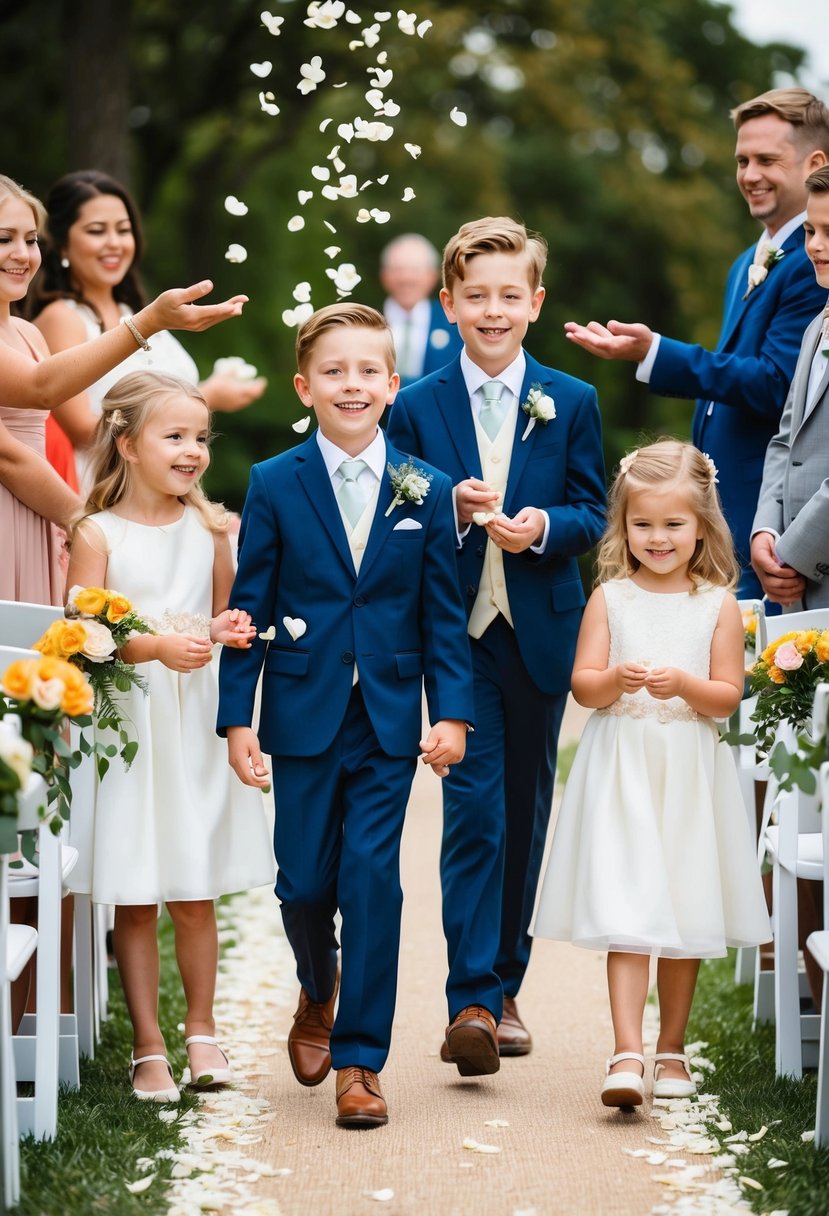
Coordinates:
[672,1087]
[623,1088]
[206,1078]
[171,1094]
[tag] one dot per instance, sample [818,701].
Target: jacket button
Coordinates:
[471,590]
[347,656]
[359,601]
[479,552]
[797,463]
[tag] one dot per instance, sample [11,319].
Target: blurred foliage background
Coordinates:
[604,126]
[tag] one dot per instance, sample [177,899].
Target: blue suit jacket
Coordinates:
[401,617]
[443,345]
[558,468]
[747,377]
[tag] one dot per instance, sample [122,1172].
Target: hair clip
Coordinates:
[712,468]
[116,418]
[627,461]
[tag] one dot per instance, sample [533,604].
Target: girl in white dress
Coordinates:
[652,853]
[176,827]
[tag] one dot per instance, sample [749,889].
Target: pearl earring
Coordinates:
[65,263]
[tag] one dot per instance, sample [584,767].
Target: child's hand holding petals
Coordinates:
[665,682]
[630,676]
[233,627]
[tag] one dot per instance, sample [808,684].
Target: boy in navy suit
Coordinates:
[511,434]
[349,550]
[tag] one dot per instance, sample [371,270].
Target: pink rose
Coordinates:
[788,657]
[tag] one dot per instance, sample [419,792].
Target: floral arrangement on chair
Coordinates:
[785,677]
[98,622]
[15,766]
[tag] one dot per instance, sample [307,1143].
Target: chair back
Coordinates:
[755,607]
[10,654]
[789,622]
[22,624]
[823,793]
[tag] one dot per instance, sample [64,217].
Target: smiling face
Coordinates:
[19,252]
[493,306]
[817,236]
[348,382]
[100,245]
[170,452]
[771,170]
[662,534]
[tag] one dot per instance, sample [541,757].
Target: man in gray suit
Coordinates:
[790,535]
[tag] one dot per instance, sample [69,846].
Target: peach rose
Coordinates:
[77,701]
[788,657]
[48,694]
[18,679]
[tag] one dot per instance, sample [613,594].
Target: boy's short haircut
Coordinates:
[353,316]
[807,115]
[493,234]
[818,182]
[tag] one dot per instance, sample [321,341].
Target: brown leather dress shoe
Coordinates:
[310,1036]
[513,1037]
[471,1042]
[360,1101]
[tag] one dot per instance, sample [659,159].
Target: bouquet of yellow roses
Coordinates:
[42,694]
[785,678]
[97,623]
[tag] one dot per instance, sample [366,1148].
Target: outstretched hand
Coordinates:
[616,340]
[177,309]
[228,395]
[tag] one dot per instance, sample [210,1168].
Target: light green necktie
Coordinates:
[493,409]
[349,497]
[404,354]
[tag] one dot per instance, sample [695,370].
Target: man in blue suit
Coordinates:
[346,563]
[423,337]
[770,298]
[511,434]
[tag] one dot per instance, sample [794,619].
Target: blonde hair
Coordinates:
[805,113]
[126,409]
[493,234]
[664,463]
[354,316]
[10,189]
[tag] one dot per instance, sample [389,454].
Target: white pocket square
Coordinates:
[406,525]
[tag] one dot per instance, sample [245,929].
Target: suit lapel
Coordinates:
[313,477]
[737,306]
[382,524]
[534,373]
[811,342]
[452,400]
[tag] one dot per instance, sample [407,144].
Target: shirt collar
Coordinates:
[374,455]
[512,375]
[782,234]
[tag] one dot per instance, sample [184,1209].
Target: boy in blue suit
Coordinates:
[511,434]
[349,550]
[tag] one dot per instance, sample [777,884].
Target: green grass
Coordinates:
[751,1096]
[102,1129]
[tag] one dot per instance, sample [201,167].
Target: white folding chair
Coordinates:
[22,624]
[818,945]
[746,763]
[17,945]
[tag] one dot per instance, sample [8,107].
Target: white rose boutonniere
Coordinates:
[410,484]
[538,407]
[758,271]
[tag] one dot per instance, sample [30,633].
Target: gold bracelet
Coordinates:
[133,328]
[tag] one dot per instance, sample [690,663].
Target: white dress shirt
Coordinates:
[410,330]
[374,456]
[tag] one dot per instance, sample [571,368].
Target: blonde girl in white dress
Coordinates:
[176,827]
[652,853]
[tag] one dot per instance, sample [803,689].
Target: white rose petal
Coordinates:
[295,223]
[353,18]
[382,16]
[338,164]
[331,251]
[236,253]
[346,131]
[271,23]
[756,275]
[235,206]
[380,217]
[383,77]
[295,625]
[302,292]
[301,426]
[268,105]
[374,97]
[458,117]
[298,315]
[16,751]
[304,196]
[363,216]
[345,277]
[406,21]
[382,57]
[143,1184]
[381,181]
[234,367]
[807,1137]
[381,1196]
[325,15]
[329,226]
[330,192]
[262,69]
[423,27]
[355,45]
[371,35]
[312,75]
[320,172]
[326,122]
[342,84]
[348,186]
[390,109]
[408,195]
[475,1147]
[413,150]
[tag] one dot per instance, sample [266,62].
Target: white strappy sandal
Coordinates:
[206,1079]
[171,1094]
[623,1088]
[672,1087]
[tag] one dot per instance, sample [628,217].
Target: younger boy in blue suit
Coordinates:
[511,434]
[349,550]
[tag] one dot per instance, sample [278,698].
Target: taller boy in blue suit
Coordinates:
[509,433]
[349,551]
[770,298]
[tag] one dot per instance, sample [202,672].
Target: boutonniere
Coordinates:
[758,271]
[410,484]
[538,407]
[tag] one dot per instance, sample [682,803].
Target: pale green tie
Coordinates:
[493,408]
[405,351]
[349,497]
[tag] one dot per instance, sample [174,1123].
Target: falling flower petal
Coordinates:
[423,27]
[304,196]
[458,117]
[262,69]
[331,251]
[496,1123]
[774,1163]
[324,15]
[301,426]
[374,97]
[414,150]
[759,1135]
[329,226]
[390,109]
[382,57]
[235,206]
[381,217]
[302,293]
[363,216]
[408,195]
[312,75]
[345,277]
[381,181]
[382,16]
[296,222]
[291,317]
[348,186]
[373,131]
[346,131]
[236,253]
[384,77]
[325,123]
[235,367]
[271,23]
[807,1137]
[353,18]
[355,45]
[268,105]
[342,84]
[366,184]
[338,164]
[320,172]
[143,1184]
[371,35]
[381,1196]
[475,1147]
[406,21]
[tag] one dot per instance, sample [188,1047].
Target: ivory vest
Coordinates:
[495,461]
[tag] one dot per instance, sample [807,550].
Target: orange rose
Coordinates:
[822,647]
[77,701]
[91,600]
[71,636]
[806,640]
[50,642]
[118,607]
[776,675]
[19,679]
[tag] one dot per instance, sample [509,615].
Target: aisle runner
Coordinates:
[256,988]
